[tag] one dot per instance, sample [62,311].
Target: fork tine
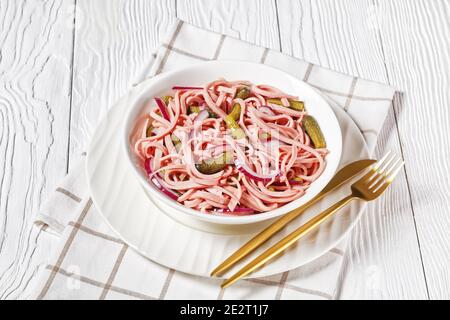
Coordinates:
[388,163]
[379,162]
[373,172]
[389,175]
[393,167]
[395,172]
[369,175]
[373,169]
[384,171]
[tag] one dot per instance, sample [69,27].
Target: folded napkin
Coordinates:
[92,263]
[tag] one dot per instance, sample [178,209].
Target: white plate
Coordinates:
[202,73]
[189,245]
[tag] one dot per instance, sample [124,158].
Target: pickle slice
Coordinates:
[212,166]
[236,112]
[293,104]
[275,101]
[243,93]
[296,105]
[236,130]
[193,109]
[231,121]
[314,132]
[167,99]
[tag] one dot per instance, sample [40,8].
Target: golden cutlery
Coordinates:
[342,176]
[368,188]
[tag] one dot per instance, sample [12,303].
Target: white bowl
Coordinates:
[206,72]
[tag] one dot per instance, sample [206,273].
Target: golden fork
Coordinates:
[345,174]
[367,188]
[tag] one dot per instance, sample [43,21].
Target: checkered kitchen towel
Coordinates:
[92,263]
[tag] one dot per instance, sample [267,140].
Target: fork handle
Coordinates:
[287,241]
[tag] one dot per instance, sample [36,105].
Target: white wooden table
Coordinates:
[63,62]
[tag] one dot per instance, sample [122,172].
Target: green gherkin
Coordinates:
[293,104]
[212,166]
[243,93]
[314,132]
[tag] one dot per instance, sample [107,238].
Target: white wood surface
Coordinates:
[63,62]
[35,86]
[372,270]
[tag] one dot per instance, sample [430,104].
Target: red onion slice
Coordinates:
[155,131]
[156,182]
[253,175]
[162,107]
[291,182]
[186,88]
[236,211]
[243,210]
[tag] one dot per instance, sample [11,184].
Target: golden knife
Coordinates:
[342,176]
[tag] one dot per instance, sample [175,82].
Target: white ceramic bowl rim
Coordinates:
[332,132]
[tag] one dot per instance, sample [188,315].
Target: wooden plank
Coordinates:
[254,21]
[415,36]
[35,85]
[384,259]
[113,42]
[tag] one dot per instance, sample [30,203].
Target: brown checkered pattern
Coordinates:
[77,226]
